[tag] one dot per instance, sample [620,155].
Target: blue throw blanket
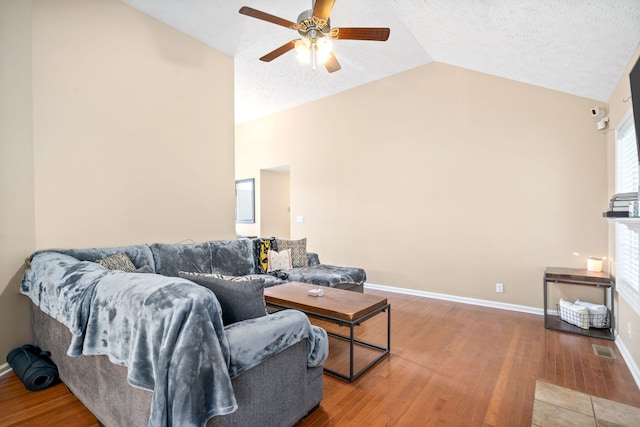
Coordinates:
[167,331]
[255,340]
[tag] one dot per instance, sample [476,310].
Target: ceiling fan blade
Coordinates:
[267,17]
[279,51]
[322,8]
[332,64]
[376,34]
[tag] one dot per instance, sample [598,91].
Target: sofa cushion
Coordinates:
[227,277]
[313,258]
[261,248]
[269,279]
[232,257]
[140,255]
[326,275]
[239,300]
[298,251]
[172,258]
[119,261]
[279,260]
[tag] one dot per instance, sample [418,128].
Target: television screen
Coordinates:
[634,78]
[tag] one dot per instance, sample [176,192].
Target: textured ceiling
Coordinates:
[579,47]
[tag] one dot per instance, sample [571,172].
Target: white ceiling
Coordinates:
[579,47]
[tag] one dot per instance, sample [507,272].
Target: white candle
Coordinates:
[594,264]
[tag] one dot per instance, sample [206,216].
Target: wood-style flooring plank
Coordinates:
[451,364]
[55,406]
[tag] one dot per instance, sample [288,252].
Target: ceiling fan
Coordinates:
[315,28]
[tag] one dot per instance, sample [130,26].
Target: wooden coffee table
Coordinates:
[345,308]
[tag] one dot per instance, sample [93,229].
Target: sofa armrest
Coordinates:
[313,258]
[255,340]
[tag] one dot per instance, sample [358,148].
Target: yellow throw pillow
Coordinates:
[261,248]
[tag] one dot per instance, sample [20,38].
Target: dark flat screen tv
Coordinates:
[634,79]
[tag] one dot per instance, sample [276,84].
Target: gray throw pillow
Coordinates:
[298,251]
[119,261]
[238,300]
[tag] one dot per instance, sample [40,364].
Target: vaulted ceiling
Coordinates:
[580,47]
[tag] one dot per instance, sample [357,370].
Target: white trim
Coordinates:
[5,369]
[631,364]
[455,298]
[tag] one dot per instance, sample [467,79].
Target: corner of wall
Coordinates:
[17,225]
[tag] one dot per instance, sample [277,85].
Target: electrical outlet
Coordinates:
[499,287]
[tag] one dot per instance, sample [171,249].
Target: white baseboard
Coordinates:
[631,364]
[454,298]
[5,369]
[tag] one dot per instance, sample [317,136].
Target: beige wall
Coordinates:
[443,180]
[618,108]
[274,209]
[133,129]
[114,129]
[17,238]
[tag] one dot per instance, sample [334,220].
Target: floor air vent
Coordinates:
[603,351]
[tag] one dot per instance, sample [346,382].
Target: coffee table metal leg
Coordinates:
[351,351]
[353,341]
[388,310]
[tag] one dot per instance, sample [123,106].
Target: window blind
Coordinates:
[627,242]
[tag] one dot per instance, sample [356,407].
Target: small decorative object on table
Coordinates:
[315,292]
[594,264]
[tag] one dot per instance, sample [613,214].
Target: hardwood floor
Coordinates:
[55,406]
[459,365]
[451,364]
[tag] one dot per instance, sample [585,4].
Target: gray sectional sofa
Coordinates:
[145,346]
[230,258]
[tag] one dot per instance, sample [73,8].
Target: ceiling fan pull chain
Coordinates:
[314,56]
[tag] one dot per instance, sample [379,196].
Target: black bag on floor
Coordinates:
[34,367]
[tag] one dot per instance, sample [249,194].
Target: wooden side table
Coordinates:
[580,277]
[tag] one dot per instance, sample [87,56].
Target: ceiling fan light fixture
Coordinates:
[324,48]
[303,50]
[315,52]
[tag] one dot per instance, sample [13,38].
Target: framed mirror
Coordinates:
[245,201]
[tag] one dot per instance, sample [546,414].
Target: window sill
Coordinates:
[632,224]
